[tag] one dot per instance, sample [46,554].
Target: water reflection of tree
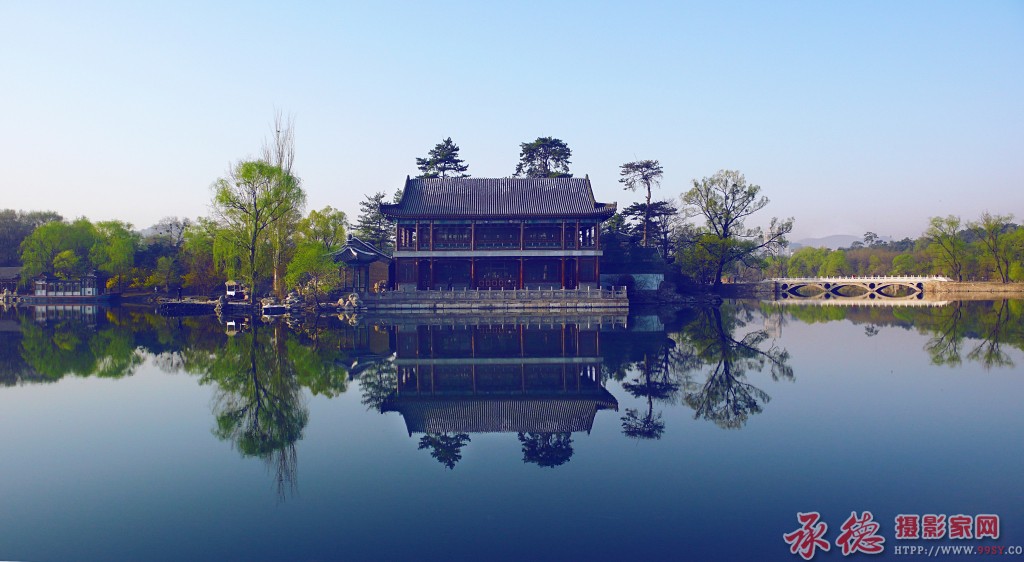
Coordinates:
[726,398]
[377,382]
[56,349]
[546,449]
[446,448]
[946,343]
[258,405]
[653,381]
[995,322]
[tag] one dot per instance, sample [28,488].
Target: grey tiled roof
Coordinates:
[357,251]
[498,198]
[495,414]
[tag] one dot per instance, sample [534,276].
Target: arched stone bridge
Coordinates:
[866,288]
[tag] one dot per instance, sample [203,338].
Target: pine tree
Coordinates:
[546,157]
[372,226]
[442,162]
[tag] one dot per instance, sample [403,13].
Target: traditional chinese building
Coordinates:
[362,267]
[10,278]
[497,233]
[84,286]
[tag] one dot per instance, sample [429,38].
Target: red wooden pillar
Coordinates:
[520,274]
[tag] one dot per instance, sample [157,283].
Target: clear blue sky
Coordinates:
[851,116]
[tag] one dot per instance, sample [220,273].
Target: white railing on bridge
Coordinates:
[860,279]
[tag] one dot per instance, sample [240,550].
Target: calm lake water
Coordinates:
[692,434]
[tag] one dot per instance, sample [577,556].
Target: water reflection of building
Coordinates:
[498,378]
[86,313]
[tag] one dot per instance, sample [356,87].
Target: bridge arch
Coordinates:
[868,288]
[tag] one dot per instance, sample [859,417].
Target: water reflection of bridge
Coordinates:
[902,288]
[498,378]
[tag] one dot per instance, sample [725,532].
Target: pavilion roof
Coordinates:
[355,251]
[503,413]
[498,198]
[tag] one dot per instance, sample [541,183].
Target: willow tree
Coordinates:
[280,151]
[947,245]
[726,201]
[996,235]
[318,236]
[249,204]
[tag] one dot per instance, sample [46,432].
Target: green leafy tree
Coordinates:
[164,274]
[115,249]
[806,262]
[197,254]
[907,264]
[15,227]
[644,174]
[654,221]
[834,265]
[313,268]
[725,200]
[946,245]
[442,162]
[249,204]
[372,226]
[994,232]
[546,157]
[66,264]
[695,254]
[41,248]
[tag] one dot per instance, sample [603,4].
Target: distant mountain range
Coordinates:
[833,242]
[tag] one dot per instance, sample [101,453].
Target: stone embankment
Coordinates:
[974,290]
[186,308]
